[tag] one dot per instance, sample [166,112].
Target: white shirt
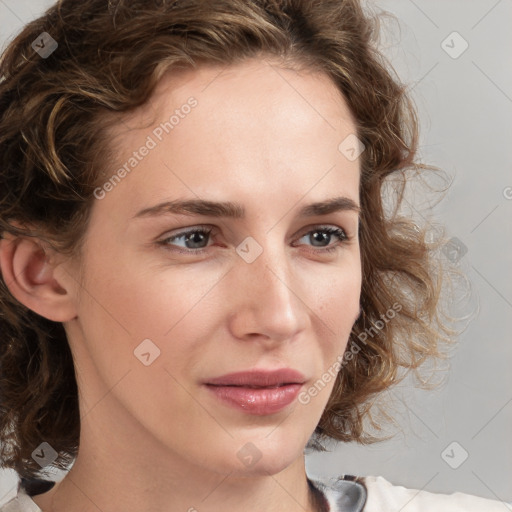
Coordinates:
[347,494]
[383,496]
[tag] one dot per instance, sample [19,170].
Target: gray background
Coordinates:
[465,105]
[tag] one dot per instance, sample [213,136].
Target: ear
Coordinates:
[31,278]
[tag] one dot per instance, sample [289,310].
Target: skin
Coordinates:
[153,437]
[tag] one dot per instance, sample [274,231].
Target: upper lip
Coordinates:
[257,377]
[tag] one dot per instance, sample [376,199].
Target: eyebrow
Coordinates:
[229,209]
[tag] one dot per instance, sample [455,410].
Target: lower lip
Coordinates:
[257,400]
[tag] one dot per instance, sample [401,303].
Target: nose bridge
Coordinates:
[274,275]
[269,274]
[268,303]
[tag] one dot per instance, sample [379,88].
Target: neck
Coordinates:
[146,476]
[276,493]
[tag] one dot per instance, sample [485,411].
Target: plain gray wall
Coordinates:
[465,107]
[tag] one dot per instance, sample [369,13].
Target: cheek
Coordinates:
[127,313]
[143,298]
[128,304]
[338,307]
[338,299]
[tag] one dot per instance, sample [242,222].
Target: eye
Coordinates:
[323,235]
[195,240]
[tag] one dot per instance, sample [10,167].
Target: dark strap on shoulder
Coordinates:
[35,486]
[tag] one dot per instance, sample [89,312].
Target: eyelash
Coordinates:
[338,232]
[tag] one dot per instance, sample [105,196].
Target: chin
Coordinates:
[268,455]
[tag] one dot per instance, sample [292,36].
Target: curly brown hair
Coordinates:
[55,112]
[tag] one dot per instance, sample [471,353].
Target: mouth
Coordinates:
[258,392]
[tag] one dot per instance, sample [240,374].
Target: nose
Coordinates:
[267,302]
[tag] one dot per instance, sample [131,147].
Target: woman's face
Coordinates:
[159,315]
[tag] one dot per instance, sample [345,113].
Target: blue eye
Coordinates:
[195,240]
[192,237]
[328,232]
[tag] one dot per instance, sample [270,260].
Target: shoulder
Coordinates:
[20,503]
[346,493]
[383,495]
[19,500]
[349,493]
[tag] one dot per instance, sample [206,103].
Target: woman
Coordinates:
[198,274]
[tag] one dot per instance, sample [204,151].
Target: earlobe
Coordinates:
[30,277]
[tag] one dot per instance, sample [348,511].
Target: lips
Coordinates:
[258,392]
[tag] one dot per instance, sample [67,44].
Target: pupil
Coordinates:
[319,236]
[194,239]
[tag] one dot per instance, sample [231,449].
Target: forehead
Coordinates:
[257,94]
[241,129]
[256,76]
